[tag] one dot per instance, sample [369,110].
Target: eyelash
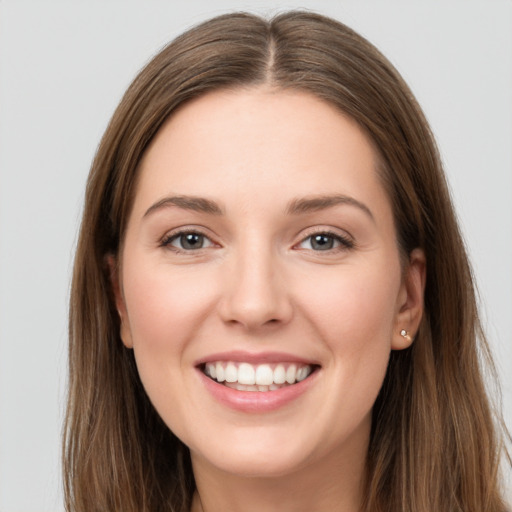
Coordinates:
[168,239]
[345,243]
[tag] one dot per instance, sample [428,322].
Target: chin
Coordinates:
[253,460]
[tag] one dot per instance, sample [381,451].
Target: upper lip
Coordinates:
[241,356]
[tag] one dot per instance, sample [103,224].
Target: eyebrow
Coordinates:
[295,207]
[316,203]
[197,204]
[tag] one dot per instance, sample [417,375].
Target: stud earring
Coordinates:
[405,335]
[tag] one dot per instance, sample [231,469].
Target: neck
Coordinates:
[333,483]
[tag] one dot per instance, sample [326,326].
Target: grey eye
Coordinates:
[320,242]
[189,241]
[326,242]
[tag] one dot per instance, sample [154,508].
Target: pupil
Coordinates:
[322,242]
[191,241]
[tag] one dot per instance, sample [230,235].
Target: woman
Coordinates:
[272,305]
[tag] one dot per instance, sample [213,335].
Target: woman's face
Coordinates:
[261,250]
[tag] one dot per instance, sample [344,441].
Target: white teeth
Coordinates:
[290,374]
[231,373]
[246,374]
[302,373]
[210,370]
[264,375]
[219,370]
[243,387]
[279,374]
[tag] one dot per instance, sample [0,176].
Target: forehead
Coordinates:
[256,144]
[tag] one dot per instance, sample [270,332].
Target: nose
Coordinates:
[255,294]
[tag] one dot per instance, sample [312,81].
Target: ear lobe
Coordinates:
[125,332]
[410,301]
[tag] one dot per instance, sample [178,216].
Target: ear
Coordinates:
[410,301]
[117,290]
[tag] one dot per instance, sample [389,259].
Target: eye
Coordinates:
[187,241]
[325,242]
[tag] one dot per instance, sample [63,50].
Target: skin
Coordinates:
[259,285]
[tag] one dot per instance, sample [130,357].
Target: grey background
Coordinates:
[63,68]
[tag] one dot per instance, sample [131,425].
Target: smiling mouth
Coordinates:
[261,377]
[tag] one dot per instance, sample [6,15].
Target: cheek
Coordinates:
[353,311]
[165,311]
[164,307]
[355,306]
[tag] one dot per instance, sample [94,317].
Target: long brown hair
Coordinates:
[434,443]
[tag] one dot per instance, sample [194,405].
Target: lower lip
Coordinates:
[257,401]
